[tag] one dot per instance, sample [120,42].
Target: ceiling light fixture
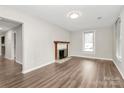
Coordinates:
[99,17]
[74,14]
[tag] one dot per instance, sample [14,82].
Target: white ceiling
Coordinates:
[7,24]
[56,14]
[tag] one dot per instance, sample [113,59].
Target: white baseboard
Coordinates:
[118,69]
[93,57]
[8,58]
[35,68]
[18,62]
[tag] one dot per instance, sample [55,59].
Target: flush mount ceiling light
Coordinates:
[74,14]
[99,17]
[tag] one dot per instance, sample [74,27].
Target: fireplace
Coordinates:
[61,49]
[62,53]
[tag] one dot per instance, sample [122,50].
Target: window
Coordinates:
[118,39]
[88,41]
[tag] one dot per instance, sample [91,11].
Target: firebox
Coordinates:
[62,53]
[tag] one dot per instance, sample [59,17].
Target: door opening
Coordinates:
[11,44]
[3,46]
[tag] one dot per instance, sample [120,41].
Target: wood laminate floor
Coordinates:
[75,73]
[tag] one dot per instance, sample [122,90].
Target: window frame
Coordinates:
[83,41]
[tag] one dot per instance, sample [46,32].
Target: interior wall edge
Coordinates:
[121,72]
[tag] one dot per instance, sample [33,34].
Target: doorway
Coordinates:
[11,42]
[3,46]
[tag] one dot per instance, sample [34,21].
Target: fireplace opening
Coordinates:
[62,53]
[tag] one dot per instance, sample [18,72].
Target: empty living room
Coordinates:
[61,46]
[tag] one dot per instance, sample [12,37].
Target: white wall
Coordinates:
[38,37]
[103,43]
[119,64]
[18,48]
[9,45]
